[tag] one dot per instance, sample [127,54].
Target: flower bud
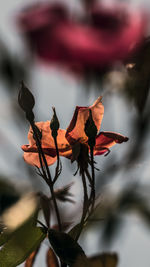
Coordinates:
[90,130]
[26,99]
[54,124]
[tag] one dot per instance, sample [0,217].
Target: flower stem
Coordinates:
[85,205]
[93,179]
[50,183]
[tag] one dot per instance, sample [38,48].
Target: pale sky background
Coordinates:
[52,88]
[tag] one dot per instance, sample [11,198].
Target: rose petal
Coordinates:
[100,151]
[75,131]
[52,34]
[33,159]
[98,46]
[105,140]
[31,155]
[44,14]
[48,145]
[33,149]
[47,140]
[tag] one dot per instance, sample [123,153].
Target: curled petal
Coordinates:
[33,149]
[31,155]
[105,140]
[75,131]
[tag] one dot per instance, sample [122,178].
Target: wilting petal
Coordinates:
[105,140]
[75,131]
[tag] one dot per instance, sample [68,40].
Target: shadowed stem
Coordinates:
[93,179]
[85,204]
[50,183]
[44,173]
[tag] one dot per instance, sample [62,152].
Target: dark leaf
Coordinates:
[82,261]
[104,260]
[138,82]
[66,248]
[8,195]
[63,194]
[101,260]
[12,68]
[111,227]
[45,204]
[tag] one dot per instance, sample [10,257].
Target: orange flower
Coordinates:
[75,134]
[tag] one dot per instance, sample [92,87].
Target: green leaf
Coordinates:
[23,241]
[4,236]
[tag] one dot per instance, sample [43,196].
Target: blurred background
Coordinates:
[123,179]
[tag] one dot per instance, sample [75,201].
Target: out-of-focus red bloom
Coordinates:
[105,36]
[74,134]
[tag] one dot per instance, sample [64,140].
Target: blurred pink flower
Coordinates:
[104,36]
[74,135]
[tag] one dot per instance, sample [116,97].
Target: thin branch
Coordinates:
[93,178]
[85,205]
[50,183]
